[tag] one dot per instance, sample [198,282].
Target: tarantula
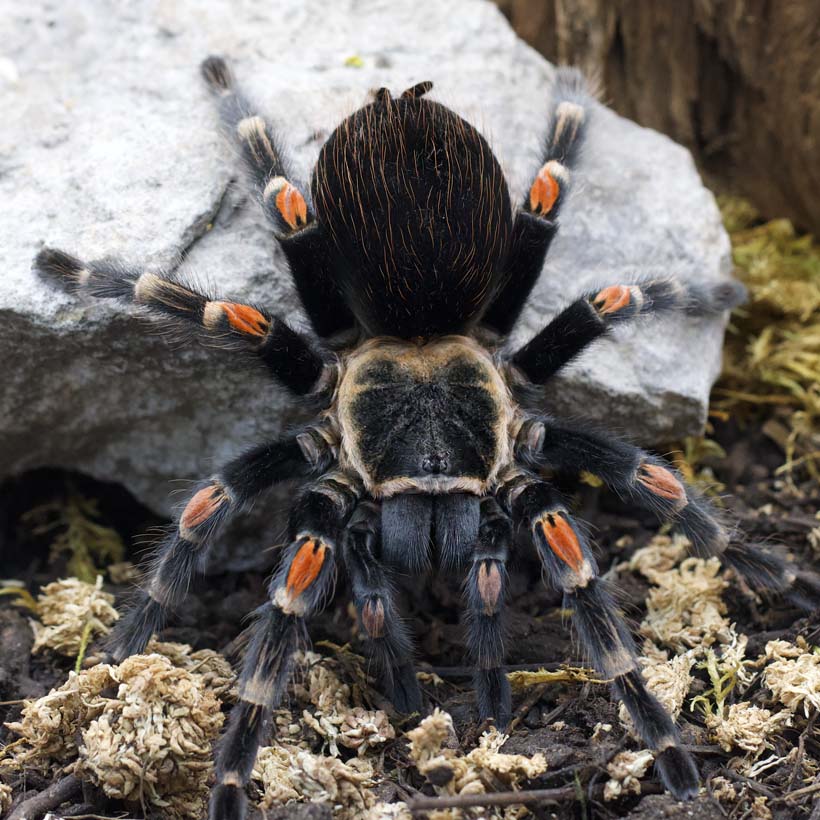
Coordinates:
[412,267]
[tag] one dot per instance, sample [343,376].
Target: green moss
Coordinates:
[89,546]
[772,353]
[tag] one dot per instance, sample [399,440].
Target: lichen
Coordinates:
[5,798]
[289,773]
[625,772]
[793,675]
[684,608]
[746,726]
[454,773]
[153,742]
[70,613]
[669,679]
[142,731]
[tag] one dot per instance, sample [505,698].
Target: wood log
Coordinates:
[736,81]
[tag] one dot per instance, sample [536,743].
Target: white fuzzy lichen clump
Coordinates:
[793,675]
[745,726]
[456,773]
[289,773]
[70,613]
[625,772]
[332,717]
[142,731]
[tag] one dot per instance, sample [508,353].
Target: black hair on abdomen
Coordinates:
[417,207]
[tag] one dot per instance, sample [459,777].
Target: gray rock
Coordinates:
[108,145]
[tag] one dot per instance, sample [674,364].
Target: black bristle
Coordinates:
[217,74]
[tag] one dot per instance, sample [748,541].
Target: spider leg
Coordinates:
[570,566]
[485,587]
[288,354]
[650,482]
[596,313]
[302,584]
[537,222]
[214,502]
[633,473]
[284,201]
[388,637]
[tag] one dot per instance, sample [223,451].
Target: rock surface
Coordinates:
[108,145]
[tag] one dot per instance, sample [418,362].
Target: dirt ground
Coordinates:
[560,720]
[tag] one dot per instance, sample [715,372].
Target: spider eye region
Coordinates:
[430,418]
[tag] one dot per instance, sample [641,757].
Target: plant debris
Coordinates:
[150,742]
[772,355]
[71,612]
[625,772]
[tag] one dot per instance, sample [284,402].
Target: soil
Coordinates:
[556,719]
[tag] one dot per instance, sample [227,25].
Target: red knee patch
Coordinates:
[562,540]
[305,567]
[373,618]
[662,482]
[489,586]
[202,506]
[245,319]
[291,205]
[612,299]
[545,190]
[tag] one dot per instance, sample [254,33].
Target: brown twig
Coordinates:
[466,801]
[43,802]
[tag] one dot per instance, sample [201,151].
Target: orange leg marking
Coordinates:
[562,540]
[612,299]
[245,319]
[662,482]
[202,506]
[305,567]
[291,204]
[544,192]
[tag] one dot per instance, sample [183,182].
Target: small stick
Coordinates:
[466,801]
[35,807]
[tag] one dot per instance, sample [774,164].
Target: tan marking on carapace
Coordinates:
[373,618]
[562,540]
[424,360]
[662,482]
[305,567]
[201,507]
[489,586]
[544,191]
[612,299]
[244,318]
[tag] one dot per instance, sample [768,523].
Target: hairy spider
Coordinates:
[413,267]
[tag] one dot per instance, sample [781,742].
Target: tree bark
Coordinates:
[736,81]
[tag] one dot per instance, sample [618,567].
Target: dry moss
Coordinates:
[793,675]
[289,773]
[142,731]
[71,612]
[485,768]
[625,772]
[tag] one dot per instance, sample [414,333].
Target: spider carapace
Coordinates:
[413,267]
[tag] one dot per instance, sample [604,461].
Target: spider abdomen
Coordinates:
[417,208]
[429,418]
